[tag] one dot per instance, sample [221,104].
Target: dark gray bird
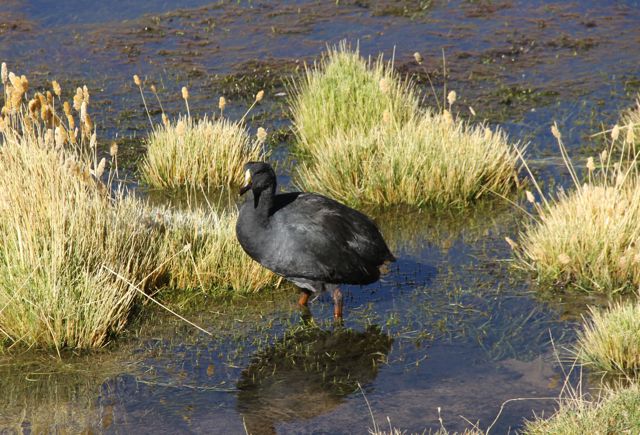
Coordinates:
[311,240]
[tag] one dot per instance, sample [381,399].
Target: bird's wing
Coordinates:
[321,239]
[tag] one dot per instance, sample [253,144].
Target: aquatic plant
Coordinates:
[345,93]
[431,159]
[588,237]
[610,339]
[364,140]
[69,247]
[76,252]
[204,153]
[614,411]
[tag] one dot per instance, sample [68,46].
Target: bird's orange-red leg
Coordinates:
[337,304]
[304,298]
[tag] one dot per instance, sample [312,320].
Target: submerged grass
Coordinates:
[610,340]
[616,411]
[364,140]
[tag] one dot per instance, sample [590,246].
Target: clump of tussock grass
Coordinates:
[614,411]
[364,140]
[73,252]
[199,153]
[62,237]
[203,253]
[344,93]
[204,153]
[610,340]
[588,238]
[431,159]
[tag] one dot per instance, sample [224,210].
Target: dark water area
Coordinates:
[451,331]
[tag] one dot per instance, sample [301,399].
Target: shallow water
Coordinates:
[450,327]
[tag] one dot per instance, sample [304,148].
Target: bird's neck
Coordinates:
[262,210]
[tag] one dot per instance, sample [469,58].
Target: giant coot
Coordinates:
[309,239]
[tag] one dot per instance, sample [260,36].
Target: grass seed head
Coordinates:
[47,115]
[136,80]
[85,94]
[34,107]
[418,57]
[530,197]
[261,134]
[113,150]
[555,132]
[16,97]
[83,112]
[165,119]
[451,98]
[24,84]
[631,137]
[78,99]
[4,73]
[15,81]
[259,96]
[66,107]
[591,166]
[603,156]
[88,125]
[185,93]
[222,103]
[71,122]
[100,169]
[513,245]
[56,88]
[615,132]
[154,89]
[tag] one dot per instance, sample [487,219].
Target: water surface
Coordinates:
[450,327]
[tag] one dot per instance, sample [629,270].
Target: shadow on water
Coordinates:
[308,373]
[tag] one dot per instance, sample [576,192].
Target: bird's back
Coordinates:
[314,237]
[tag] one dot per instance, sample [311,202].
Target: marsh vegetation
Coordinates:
[463,325]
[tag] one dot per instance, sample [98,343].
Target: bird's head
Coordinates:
[258,176]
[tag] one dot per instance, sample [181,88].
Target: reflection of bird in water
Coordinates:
[313,241]
[308,373]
